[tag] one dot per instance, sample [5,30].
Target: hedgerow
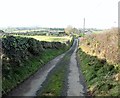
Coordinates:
[22,56]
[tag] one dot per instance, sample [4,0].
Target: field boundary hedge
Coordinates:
[21,57]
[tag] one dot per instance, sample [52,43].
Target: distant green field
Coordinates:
[97,32]
[49,38]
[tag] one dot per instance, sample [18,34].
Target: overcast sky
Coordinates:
[59,13]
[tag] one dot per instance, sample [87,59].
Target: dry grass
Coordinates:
[103,45]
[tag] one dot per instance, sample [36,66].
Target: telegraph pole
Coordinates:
[84,26]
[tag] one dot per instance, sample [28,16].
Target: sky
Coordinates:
[101,14]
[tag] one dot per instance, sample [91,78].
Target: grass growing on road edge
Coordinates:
[56,81]
[99,75]
[22,57]
[34,64]
[55,85]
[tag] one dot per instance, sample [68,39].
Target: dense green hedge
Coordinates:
[21,54]
[17,49]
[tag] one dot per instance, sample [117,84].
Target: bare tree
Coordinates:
[69,30]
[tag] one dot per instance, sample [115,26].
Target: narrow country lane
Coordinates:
[73,85]
[33,84]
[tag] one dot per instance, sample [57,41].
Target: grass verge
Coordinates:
[25,71]
[56,82]
[99,75]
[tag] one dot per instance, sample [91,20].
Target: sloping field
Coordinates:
[50,38]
